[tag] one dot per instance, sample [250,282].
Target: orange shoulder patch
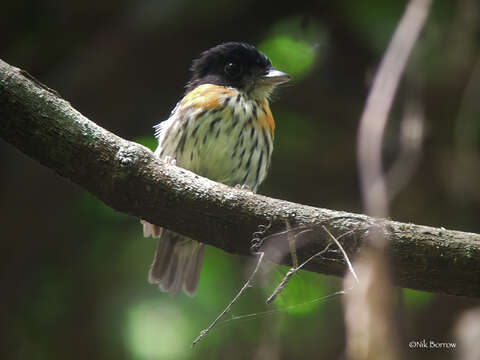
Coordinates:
[207,96]
[266,118]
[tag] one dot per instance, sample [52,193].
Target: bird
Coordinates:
[222,129]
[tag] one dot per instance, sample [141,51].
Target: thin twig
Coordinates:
[347,260]
[291,244]
[289,274]
[204,332]
[294,269]
[274,311]
[281,286]
[305,228]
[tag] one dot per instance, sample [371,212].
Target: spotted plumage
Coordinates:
[206,114]
[222,129]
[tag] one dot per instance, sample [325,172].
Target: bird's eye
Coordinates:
[233,70]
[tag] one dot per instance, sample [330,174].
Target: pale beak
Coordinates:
[274,77]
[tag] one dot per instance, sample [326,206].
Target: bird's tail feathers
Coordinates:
[177,262]
[154,231]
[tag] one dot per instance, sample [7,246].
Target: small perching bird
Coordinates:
[221,129]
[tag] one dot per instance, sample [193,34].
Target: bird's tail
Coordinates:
[177,262]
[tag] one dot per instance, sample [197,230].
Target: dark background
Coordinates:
[73,272]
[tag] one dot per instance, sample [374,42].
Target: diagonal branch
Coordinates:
[128,178]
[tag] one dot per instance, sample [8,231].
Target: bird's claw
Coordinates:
[170,160]
[243,187]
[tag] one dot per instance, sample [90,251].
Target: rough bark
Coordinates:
[128,178]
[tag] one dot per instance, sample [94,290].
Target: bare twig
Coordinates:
[204,332]
[369,308]
[290,273]
[345,256]
[291,244]
[252,316]
[281,286]
[295,269]
[379,102]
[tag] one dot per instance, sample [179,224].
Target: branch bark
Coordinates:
[129,178]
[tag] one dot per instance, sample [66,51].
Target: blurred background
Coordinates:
[73,272]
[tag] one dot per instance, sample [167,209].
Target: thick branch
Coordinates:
[128,178]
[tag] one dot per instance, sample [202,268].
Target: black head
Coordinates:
[237,65]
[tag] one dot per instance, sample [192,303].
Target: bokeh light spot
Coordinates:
[417,299]
[292,56]
[154,331]
[293,46]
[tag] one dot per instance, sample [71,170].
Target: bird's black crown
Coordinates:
[234,64]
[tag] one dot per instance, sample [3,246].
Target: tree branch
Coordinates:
[130,179]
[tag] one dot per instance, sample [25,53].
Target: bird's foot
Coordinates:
[243,187]
[170,160]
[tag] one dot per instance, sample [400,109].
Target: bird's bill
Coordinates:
[275,77]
